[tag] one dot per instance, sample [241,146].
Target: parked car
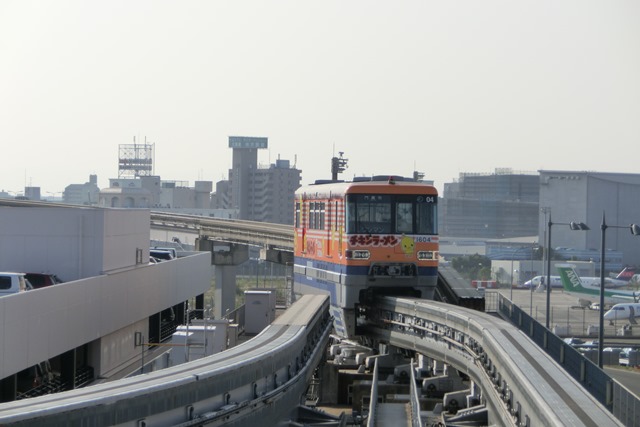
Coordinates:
[42,280]
[12,283]
[173,251]
[574,341]
[161,254]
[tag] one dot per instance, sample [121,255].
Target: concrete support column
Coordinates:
[329,381]
[225,290]
[226,257]
[474,398]
[438,367]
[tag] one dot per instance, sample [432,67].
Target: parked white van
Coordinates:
[12,283]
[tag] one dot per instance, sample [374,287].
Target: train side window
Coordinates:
[312,215]
[328,227]
[427,218]
[404,217]
[351,217]
[372,214]
[316,215]
[321,208]
[383,217]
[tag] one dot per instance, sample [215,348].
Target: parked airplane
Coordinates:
[623,311]
[622,279]
[572,284]
[540,280]
[627,274]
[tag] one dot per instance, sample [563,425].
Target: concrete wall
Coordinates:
[117,350]
[125,231]
[72,242]
[43,323]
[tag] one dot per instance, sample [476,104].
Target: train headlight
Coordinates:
[426,255]
[361,254]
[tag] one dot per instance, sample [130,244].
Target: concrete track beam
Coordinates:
[277,256]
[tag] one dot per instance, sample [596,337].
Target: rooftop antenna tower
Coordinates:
[417,176]
[338,165]
[136,160]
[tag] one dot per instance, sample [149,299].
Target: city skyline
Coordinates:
[437,88]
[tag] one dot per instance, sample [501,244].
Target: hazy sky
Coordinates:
[441,87]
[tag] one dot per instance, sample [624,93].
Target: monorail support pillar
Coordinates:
[283,257]
[226,257]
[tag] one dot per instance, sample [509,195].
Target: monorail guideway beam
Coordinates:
[521,384]
[278,256]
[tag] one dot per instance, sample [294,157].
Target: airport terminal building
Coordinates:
[503,208]
[585,197]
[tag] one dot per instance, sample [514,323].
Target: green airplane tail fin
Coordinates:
[569,278]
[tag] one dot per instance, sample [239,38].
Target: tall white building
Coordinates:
[258,193]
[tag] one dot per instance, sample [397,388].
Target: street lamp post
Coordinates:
[573,226]
[512,272]
[531,287]
[635,230]
[511,279]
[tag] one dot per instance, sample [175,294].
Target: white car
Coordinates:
[12,283]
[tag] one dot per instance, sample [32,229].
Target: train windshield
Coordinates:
[391,214]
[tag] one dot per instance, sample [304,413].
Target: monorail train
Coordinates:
[354,240]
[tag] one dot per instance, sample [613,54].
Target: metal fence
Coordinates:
[237,316]
[624,405]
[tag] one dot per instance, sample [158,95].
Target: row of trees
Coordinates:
[473,267]
[478,267]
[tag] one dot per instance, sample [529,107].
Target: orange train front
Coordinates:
[372,236]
